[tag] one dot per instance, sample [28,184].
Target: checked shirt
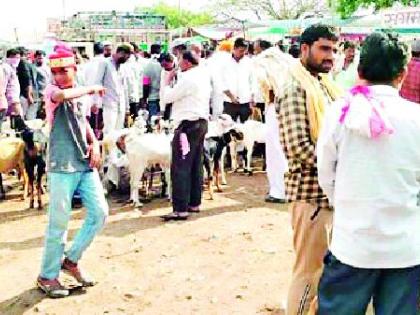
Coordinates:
[301,180]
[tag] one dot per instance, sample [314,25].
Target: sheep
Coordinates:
[12,157]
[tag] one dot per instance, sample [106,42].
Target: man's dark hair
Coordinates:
[250,49]
[314,32]
[155,49]
[12,52]
[264,44]
[294,51]
[349,45]
[181,47]
[168,57]
[146,55]
[135,46]
[240,43]
[98,48]
[124,49]
[383,58]
[22,50]
[191,57]
[39,53]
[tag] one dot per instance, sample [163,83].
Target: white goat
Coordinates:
[253,132]
[143,150]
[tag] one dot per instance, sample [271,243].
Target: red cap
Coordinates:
[62,58]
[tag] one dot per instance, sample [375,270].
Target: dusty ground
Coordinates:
[233,258]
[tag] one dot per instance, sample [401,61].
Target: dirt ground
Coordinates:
[234,257]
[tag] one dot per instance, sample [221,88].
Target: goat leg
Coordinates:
[222,167]
[23,173]
[210,187]
[31,194]
[248,162]
[217,180]
[2,192]
[39,194]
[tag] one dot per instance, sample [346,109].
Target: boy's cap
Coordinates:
[62,59]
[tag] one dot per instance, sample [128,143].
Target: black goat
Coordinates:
[32,159]
[213,153]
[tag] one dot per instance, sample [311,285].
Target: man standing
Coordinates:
[112,77]
[12,83]
[275,158]
[216,64]
[26,74]
[43,77]
[107,49]
[91,70]
[135,88]
[259,46]
[167,61]
[237,83]
[346,75]
[190,97]
[410,88]
[369,167]
[153,71]
[301,113]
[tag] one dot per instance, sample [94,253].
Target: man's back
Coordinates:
[153,70]
[377,186]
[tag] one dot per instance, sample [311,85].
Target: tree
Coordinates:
[178,18]
[347,7]
[274,9]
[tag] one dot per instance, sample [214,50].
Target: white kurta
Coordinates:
[275,158]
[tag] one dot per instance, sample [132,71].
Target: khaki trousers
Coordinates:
[310,241]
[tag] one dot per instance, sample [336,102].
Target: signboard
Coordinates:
[402,18]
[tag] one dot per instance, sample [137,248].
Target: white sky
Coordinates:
[30,16]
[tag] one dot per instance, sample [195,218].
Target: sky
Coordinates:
[30,16]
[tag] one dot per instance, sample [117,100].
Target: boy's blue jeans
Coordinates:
[62,188]
[346,290]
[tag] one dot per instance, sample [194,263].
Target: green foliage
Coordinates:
[176,17]
[347,7]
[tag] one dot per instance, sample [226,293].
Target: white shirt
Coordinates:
[134,70]
[237,78]
[256,87]
[190,96]
[374,185]
[90,70]
[115,82]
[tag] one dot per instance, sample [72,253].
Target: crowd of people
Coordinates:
[342,148]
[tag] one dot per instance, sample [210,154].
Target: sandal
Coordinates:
[176,216]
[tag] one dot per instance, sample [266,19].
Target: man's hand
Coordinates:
[94,155]
[97,89]
[234,99]
[252,104]
[30,99]
[170,77]
[16,109]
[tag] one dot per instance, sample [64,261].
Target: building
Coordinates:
[113,26]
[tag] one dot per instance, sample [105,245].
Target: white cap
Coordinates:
[177,42]
[107,43]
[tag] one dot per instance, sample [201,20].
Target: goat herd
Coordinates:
[146,144]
